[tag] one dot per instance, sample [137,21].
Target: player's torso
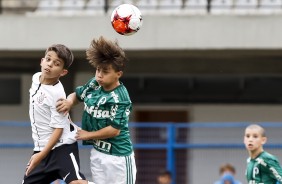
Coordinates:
[41,102]
[256,173]
[100,108]
[39,109]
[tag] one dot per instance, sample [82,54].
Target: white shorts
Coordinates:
[110,169]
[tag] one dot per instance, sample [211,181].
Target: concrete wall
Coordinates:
[158,32]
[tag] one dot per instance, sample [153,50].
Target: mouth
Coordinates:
[46,70]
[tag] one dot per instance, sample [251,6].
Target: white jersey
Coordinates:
[44,116]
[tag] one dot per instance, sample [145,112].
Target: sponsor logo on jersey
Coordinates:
[96,112]
[102,145]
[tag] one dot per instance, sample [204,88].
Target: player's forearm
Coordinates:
[57,133]
[72,99]
[104,133]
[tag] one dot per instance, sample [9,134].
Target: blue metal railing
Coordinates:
[171,144]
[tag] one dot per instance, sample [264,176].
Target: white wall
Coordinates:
[158,32]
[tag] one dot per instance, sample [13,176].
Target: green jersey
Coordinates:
[265,169]
[106,108]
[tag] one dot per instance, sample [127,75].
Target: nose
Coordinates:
[99,74]
[50,64]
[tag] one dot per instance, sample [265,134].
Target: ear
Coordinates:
[41,61]
[119,73]
[64,72]
[264,139]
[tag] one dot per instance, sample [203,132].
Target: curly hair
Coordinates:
[103,52]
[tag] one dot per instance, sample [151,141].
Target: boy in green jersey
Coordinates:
[107,106]
[262,167]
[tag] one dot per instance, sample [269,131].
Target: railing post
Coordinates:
[170,151]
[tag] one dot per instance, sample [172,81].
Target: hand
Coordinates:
[83,135]
[33,162]
[63,105]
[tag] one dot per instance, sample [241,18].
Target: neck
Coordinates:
[46,81]
[255,153]
[113,86]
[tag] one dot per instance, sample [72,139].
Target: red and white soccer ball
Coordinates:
[126,19]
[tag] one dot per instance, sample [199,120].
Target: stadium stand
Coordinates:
[147,7]
[48,7]
[95,7]
[170,6]
[195,7]
[245,7]
[270,7]
[221,6]
[72,7]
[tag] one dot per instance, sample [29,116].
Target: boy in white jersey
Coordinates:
[55,147]
[106,114]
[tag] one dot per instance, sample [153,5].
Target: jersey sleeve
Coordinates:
[275,169]
[58,120]
[119,115]
[82,90]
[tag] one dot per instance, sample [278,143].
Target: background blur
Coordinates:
[199,72]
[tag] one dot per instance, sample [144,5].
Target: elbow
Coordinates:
[116,133]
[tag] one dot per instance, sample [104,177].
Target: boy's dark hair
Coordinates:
[104,52]
[63,53]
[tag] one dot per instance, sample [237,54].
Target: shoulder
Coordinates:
[57,90]
[35,77]
[122,93]
[266,155]
[92,82]
[267,158]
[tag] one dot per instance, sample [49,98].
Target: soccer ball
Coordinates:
[126,19]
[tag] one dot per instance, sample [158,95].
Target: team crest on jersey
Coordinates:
[40,98]
[255,172]
[102,101]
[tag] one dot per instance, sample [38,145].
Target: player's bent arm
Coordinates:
[72,99]
[65,105]
[36,158]
[103,133]
[57,133]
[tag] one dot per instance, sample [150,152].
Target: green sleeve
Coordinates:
[275,169]
[120,115]
[82,90]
